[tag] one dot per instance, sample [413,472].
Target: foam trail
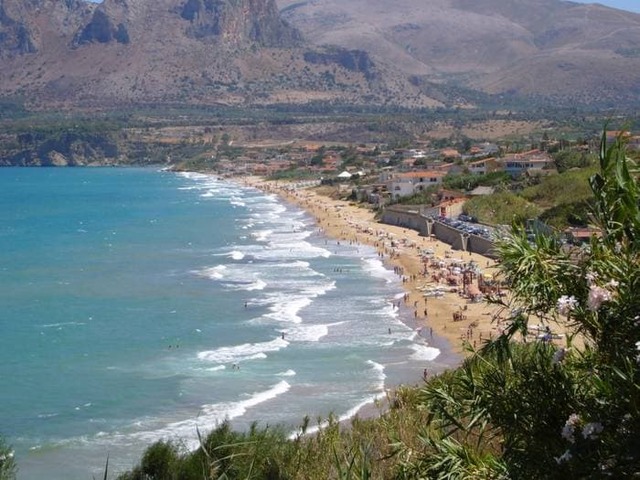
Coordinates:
[236,255]
[376,269]
[239,353]
[424,352]
[214,273]
[185,431]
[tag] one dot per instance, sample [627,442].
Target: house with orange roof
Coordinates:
[450,153]
[482,167]
[445,167]
[613,134]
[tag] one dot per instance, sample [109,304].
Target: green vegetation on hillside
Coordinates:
[558,200]
[501,208]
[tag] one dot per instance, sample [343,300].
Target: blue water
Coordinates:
[139,305]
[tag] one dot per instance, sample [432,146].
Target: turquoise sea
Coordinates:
[139,305]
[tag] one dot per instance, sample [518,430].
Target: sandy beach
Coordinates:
[438,310]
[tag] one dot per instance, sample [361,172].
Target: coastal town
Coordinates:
[429,180]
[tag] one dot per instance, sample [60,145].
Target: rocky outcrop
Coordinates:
[15,36]
[352,60]
[102,29]
[240,21]
[60,149]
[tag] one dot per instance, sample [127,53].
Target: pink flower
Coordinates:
[566,304]
[569,427]
[597,296]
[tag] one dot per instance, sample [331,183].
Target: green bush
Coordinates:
[8,468]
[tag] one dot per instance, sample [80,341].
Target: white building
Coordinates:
[407,184]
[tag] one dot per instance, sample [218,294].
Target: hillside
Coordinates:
[170,51]
[409,53]
[541,48]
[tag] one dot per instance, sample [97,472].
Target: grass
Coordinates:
[360,449]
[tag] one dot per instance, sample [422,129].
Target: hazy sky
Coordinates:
[631,5]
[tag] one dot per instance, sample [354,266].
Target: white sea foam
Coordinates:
[245,277]
[214,273]
[307,333]
[236,201]
[185,431]
[424,352]
[287,311]
[387,311]
[256,285]
[345,416]
[63,324]
[378,368]
[47,415]
[288,373]
[242,353]
[195,175]
[262,235]
[380,375]
[413,336]
[216,369]
[376,269]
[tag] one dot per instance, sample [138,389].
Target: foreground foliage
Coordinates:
[8,466]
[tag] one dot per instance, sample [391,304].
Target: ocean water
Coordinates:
[140,305]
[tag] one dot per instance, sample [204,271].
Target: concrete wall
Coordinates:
[407,218]
[411,218]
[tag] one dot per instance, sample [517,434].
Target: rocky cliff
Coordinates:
[122,52]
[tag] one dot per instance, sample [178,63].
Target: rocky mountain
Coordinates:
[561,50]
[74,53]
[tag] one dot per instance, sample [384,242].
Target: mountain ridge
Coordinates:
[74,53]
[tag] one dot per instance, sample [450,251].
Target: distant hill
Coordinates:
[553,49]
[73,53]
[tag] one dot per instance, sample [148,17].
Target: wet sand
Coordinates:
[402,250]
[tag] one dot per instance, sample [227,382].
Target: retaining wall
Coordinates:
[412,219]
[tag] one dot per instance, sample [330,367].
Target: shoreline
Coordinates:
[400,250]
